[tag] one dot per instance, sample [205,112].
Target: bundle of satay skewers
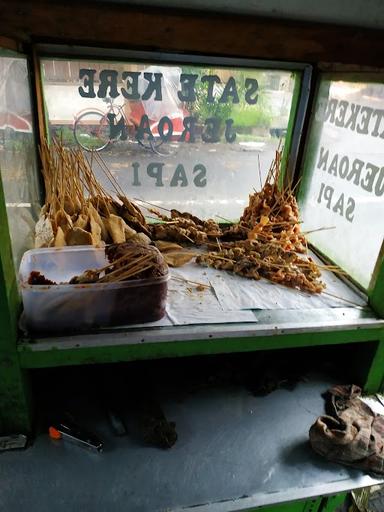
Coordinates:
[127,261]
[266,242]
[182,227]
[77,209]
[272,214]
[254,259]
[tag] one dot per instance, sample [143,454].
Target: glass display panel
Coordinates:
[18,153]
[179,136]
[343,176]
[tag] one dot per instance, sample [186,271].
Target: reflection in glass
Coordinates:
[183,137]
[17,153]
[343,182]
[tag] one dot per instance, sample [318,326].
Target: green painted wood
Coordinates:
[14,396]
[375,377]
[286,174]
[376,287]
[107,353]
[312,505]
[333,503]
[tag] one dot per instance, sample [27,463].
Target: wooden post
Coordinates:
[14,393]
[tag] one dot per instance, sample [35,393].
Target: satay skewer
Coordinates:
[318,229]
[131,264]
[190,281]
[151,204]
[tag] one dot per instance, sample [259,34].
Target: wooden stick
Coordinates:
[131,264]
[342,298]
[221,258]
[189,281]
[187,237]
[151,204]
[258,163]
[132,273]
[318,229]
[163,221]
[223,218]
[115,184]
[126,255]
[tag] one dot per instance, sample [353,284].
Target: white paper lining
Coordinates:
[229,298]
[188,304]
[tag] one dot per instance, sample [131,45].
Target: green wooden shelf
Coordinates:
[274,330]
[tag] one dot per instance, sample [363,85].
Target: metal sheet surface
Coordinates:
[270,323]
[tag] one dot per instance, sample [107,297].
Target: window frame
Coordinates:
[375,289]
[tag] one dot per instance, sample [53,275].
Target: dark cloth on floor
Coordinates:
[351,433]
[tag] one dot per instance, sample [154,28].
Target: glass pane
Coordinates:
[343,179]
[184,137]
[17,153]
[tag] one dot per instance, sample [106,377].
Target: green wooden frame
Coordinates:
[106,352]
[376,287]
[26,358]
[14,392]
[16,360]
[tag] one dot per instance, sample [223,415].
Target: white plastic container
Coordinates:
[65,307]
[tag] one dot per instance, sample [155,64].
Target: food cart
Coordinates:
[319,86]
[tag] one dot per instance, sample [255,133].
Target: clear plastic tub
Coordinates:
[66,307]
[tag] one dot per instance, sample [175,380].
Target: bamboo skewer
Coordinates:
[132,273]
[223,218]
[130,266]
[190,281]
[119,260]
[187,237]
[318,229]
[151,204]
[342,298]
[165,221]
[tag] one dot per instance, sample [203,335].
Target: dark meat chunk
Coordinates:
[38,278]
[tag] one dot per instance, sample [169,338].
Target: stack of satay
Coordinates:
[267,239]
[126,261]
[77,209]
[266,242]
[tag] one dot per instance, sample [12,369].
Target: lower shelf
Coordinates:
[273,329]
[234,452]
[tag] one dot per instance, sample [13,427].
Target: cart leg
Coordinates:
[15,410]
[14,390]
[14,403]
[374,382]
[333,503]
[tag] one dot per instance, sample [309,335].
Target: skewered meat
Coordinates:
[167,246]
[116,228]
[78,236]
[178,259]
[87,277]
[255,259]
[75,201]
[182,229]
[60,238]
